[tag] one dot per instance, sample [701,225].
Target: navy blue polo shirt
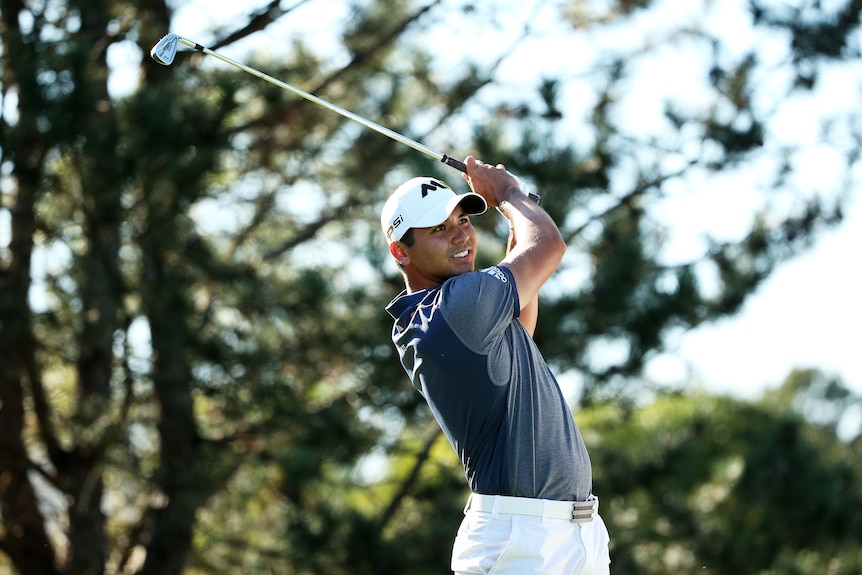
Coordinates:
[490,389]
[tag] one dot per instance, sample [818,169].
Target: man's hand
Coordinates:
[494,183]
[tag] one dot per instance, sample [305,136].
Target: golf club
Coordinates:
[165,51]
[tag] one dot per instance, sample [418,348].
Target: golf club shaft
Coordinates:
[449,161]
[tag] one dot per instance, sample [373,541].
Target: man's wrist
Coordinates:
[513,200]
[518,190]
[525,189]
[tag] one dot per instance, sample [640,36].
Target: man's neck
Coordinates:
[416,284]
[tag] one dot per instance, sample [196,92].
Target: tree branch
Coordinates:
[305,234]
[258,21]
[41,406]
[399,497]
[639,190]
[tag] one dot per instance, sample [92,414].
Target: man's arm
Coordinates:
[537,247]
[529,310]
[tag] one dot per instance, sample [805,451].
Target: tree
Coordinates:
[727,120]
[195,372]
[717,485]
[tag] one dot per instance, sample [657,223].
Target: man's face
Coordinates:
[442,251]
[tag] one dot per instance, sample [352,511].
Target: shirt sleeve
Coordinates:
[479,306]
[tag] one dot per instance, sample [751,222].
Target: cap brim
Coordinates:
[472,203]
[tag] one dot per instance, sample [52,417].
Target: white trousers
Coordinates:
[491,543]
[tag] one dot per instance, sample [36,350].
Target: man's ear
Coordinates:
[398,252]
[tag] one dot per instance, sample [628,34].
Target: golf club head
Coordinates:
[165,50]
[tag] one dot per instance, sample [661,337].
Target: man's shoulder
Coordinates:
[484,287]
[479,306]
[455,291]
[493,274]
[500,273]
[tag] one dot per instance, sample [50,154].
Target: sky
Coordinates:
[808,312]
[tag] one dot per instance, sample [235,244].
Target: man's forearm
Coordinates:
[529,315]
[529,225]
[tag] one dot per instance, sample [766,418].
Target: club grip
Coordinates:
[453,163]
[461,166]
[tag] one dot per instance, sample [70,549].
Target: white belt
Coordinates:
[574,511]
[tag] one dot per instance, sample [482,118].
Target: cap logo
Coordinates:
[432,185]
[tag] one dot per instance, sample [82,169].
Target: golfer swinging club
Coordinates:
[465,339]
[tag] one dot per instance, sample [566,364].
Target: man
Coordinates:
[465,339]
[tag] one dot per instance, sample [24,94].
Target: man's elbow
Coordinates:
[557,246]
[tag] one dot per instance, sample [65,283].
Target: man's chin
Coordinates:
[456,271]
[464,268]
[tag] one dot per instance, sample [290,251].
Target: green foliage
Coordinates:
[716,485]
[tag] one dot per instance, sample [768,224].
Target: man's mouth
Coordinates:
[462,254]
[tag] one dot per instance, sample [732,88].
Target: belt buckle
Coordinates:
[581,515]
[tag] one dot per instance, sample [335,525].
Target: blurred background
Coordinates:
[196,374]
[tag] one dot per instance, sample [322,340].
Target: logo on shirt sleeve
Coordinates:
[497,273]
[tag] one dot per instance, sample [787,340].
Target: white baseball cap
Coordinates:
[424,202]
